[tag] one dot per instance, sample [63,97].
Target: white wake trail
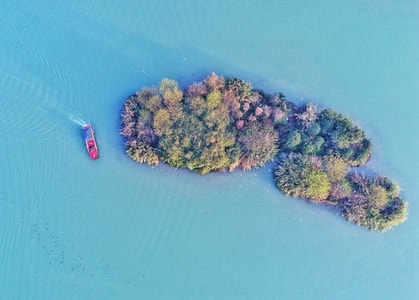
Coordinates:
[77,119]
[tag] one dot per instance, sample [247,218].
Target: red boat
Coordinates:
[89,139]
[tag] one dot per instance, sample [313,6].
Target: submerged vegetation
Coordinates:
[223,123]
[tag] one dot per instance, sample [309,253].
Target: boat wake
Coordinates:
[76,119]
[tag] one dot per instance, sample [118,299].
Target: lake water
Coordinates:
[71,228]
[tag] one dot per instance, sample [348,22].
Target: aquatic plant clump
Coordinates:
[224,123]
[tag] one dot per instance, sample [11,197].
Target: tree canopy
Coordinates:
[224,123]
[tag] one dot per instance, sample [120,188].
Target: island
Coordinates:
[224,123]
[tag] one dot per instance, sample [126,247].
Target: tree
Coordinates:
[214,82]
[313,129]
[339,190]
[308,115]
[198,106]
[172,95]
[214,99]
[154,103]
[336,168]
[293,140]
[143,153]
[162,122]
[316,186]
[241,88]
[142,96]
[259,145]
[377,196]
[290,173]
[355,209]
[343,138]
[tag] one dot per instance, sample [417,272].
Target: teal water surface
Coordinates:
[113,229]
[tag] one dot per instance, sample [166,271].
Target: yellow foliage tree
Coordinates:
[162,122]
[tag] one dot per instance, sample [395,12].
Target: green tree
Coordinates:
[290,173]
[316,186]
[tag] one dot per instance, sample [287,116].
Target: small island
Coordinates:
[224,123]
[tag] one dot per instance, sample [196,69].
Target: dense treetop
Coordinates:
[223,123]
